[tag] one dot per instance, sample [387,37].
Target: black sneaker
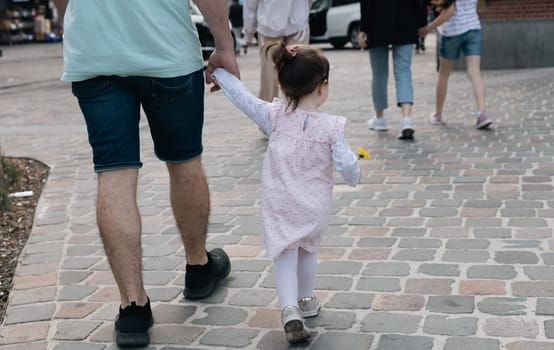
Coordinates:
[201,280]
[132,324]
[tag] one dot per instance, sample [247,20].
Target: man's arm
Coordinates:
[216,14]
[61,6]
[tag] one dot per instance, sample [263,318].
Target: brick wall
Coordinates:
[516,9]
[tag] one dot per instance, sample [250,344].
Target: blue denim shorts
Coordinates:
[470,43]
[174,108]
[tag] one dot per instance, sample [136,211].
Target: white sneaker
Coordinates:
[294,325]
[406,129]
[436,119]
[482,121]
[309,306]
[377,124]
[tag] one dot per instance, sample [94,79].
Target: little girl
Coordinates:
[297,179]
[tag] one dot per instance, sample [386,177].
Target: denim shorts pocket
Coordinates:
[169,89]
[89,88]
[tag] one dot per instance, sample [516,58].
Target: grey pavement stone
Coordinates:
[533,223]
[509,327]
[331,241]
[350,301]
[385,322]
[529,345]
[229,337]
[516,257]
[174,334]
[463,343]
[252,297]
[244,280]
[404,342]
[408,232]
[443,270]
[75,329]
[34,295]
[545,307]
[29,313]
[333,282]
[79,346]
[467,244]
[548,258]
[76,292]
[376,242]
[419,243]
[492,233]
[387,269]
[79,263]
[339,267]
[415,254]
[438,212]
[466,256]
[482,204]
[379,284]
[221,316]
[367,221]
[165,313]
[533,289]
[451,304]
[518,213]
[250,265]
[549,328]
[524,204]
[158,278]
[333,320]
[450,326]
[163,293]
[506,272]
[539,272]
[337,340]
[276,340]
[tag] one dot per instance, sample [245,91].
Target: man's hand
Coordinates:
[423,31]
[362,40]
[224,59]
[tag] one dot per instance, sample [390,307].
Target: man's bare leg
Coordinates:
[119,223]
[190,200]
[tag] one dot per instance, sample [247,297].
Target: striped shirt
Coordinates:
[464,20]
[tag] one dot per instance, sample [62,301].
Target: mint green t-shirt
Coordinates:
[154,38]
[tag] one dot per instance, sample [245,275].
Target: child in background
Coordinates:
[297,179]
[460,29]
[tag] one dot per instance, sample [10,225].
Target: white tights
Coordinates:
[295,271]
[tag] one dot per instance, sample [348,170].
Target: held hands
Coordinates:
[423,31]
[224,59]
[362,40]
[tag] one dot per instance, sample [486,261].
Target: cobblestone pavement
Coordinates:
[446,244]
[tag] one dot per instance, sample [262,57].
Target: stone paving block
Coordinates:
[337,340]
[404,342]
[466,255]
[408,232]
[539,272]
[464,343]
[158,278]
[492,272]
[337,242]
[276,340]
[266,318]
[392,302]
[467,244]
[492,233]
[447,230]
[509,327]
[161,263]
[76,292]
[419,243]
[169,313]
[339,267]
[482,287]
[452,304]
[450,326]
[252,297]
[516,257]
[482,204]
[229,337]
[443,270]
[75,329]
[28,346]
[415,254]
[175,334]
[29,313]
[76,310]
[79,346]
[533,289]
[429,286]
[37,295]
[333,282]
[79,263]
[522,243]
[244,280]
[387,269]
[376,242]
[379,284]
[163,293]
[524,222]
[549,328]
[221,316]
[385,322]
[367,221]
[530,345]
[332,320]
[355,301]
[545,307]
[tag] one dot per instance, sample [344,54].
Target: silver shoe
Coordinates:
[309,306]
[294,325]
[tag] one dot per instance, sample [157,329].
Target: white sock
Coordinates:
[286,280]
[307,269]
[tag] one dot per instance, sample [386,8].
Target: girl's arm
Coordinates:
[346,163]
[255,108]
[444,16]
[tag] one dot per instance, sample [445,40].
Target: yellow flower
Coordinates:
[363,154]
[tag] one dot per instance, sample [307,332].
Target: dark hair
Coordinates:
[300,69]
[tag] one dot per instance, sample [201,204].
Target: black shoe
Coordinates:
[132,324]
[201,280]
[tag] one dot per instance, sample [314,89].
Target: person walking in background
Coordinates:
[275,21]
[297,179]
[460,29]
[391,23]
[121,56]
[237,23]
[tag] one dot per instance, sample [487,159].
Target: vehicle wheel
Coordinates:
[353,35]
[338,43]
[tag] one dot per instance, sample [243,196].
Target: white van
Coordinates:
[336,22]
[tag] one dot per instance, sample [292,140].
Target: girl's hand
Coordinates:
[423,31]
[362,40]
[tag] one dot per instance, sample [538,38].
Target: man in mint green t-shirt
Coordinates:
[121,56]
